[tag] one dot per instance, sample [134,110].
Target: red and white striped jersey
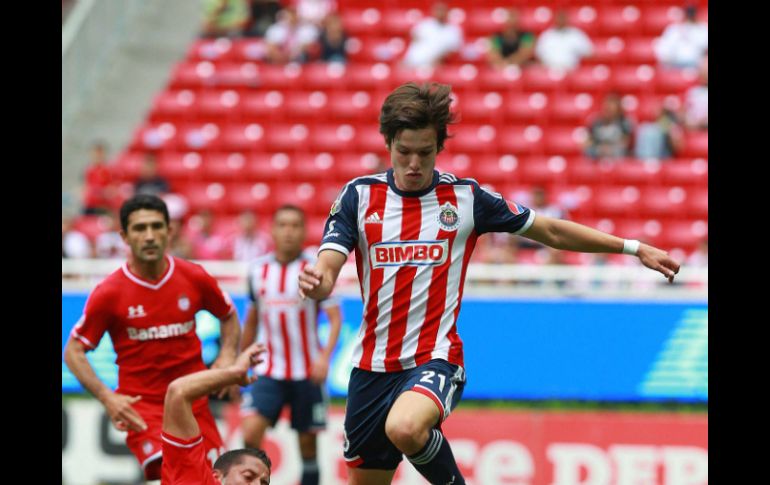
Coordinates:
[412,250]
[288,325]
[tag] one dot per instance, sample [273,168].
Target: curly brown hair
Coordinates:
[414,107]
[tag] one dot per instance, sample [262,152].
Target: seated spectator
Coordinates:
[314,11]
[562,46]
[289,39]
[683,44]
[74,244]
[108,243]
[100,192]
[149,182]
[659,139]
[224,18]
[609,136]
[512,46]
[262,14]
[332,40]
[433,38]
[696,101]
[205,243]
[248,243]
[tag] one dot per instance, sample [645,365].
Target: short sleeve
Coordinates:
[97,318]
[341,229]
[215,300]
[492,213]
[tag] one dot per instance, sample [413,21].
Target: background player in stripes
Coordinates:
[185,461]
[148,307]
[413,231]
[296,365]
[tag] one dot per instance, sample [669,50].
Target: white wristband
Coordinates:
[630,246]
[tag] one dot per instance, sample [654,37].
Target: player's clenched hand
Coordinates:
[319,370]
[121,413]
[245,361]
[658,260]
[309,280]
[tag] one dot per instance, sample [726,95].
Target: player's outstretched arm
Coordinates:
[317,281]
[561,234]
[178,418]
[118,406]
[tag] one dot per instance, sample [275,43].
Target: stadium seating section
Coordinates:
[232,133]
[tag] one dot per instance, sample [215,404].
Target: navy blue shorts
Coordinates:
[372,394]
[308,402]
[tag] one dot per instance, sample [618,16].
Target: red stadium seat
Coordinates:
[619,20]
[224,167]
[520,140]
[369,139]
[698,203]
[210,49]
[664,202]
[218,105]
[269,167]
[180,166]
[480,107]
[633,79]
[646,230]
[615,201]
[263,105]
[199,137]
[634,172]
[571,108]
[243,137]
[461,164]
[543,170]
[565,140]
[377,49]
[368,77]
[238,75]
[484,21]
[592,79]
[332,138]
[582,170]
[400,21]
[350,166]
[314,228]
[155,136]
[501,80]
[686,172]
[305,106]
[175,106]
[696,144]
[314,167]
[193,75]
[355,105]
[675,81]
[286,137]
[540,78]
[585,18]
[282,78]
[655,18]
[255,197]
[302,195]
[201,195]
[248,50]
[526,108]
[535,19]
[461,77]
[608,50]
[486,168]
[639,50]
[323,76]
[685,235]
[474,138]
[362,21]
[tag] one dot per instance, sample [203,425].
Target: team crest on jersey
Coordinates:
[147,447]
[335,207]
[184,303]
[448,218]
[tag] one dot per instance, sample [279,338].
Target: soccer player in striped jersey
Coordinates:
[413,230]
[296,365]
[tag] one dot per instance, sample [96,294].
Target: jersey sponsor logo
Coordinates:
[448,218]
[330,232]
[136,311]
[184,303]
[161,331]
[373,219]
[409,253]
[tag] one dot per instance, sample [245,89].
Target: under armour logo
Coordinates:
[136,311]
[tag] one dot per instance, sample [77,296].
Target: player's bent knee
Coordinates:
[404,432]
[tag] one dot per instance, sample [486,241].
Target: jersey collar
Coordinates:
[419,193]
[142,282]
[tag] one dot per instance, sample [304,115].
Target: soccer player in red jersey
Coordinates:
[148,307]
[184,456]
[413,230]
[296,365]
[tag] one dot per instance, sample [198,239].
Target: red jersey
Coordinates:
[152,324]
[185,462]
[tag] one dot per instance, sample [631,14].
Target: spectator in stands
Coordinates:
[609,136]
[262,14]
[683,44]
[433,38]
[206,244]
[248,243]
[314,11]
[512,46]
[661,138]
[108,243]
[100,189]
[224,18]
[332,40]
[562,46]
[289,39]
[696,101]
[74,244]
[149,182]
[539,203]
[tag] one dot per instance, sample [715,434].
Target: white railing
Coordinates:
[90,33]
[481,279]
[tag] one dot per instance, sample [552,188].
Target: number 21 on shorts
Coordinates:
[427,376]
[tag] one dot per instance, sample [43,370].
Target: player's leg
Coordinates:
[360,476]
[261,405]
[414,421]
[309,404]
